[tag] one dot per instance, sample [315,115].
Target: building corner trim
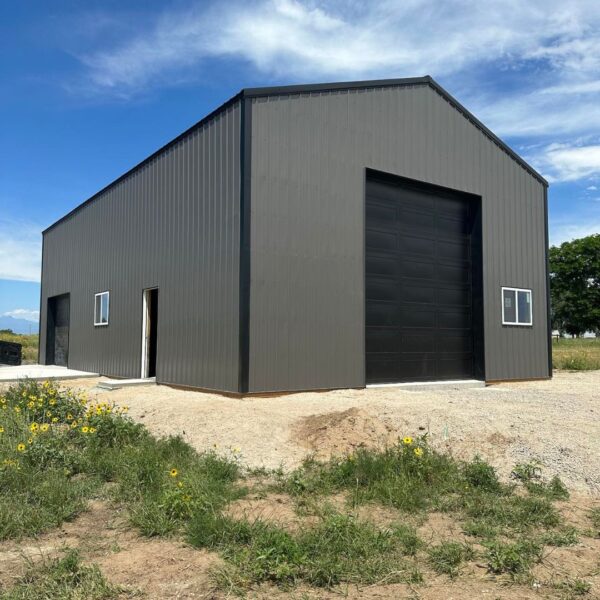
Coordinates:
[548,302]
[245,212]
[41,311]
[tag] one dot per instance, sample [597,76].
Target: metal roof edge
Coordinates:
[284,90]
[215,113]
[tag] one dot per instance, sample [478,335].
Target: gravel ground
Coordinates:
[555,422]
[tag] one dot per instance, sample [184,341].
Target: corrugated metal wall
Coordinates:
[173,223]
[309,154]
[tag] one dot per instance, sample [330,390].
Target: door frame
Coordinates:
[146,330]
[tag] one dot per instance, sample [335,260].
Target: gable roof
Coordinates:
[287,90]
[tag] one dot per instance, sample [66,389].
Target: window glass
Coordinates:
[524,306]
[509,306]
[101,308]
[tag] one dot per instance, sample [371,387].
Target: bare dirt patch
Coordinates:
[342,432]
[157,568]
[275,508]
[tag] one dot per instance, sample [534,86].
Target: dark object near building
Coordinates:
[10,353]
[309,237]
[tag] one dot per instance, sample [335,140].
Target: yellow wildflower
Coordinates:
[48,413]
[174,473]
[21,447]
[44,427]
[85,429]
[418,451]
[55,419]
[17,409]
[1,429]
[30,441]
[92,430]
[30,404]
[52,402]
[407,441]
[69,417]
[33,427]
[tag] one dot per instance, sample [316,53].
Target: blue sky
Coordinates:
[89,88]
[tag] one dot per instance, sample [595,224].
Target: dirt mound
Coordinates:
[342,432]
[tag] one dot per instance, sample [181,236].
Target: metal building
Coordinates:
[309,237]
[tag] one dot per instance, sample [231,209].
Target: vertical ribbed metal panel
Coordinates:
[173,223]
[309,155]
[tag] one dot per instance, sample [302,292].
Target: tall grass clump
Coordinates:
[63,578]
[57,449]
[576,354]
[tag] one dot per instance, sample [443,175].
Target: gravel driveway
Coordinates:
[555,422]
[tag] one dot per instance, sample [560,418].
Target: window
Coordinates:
[516,306]
[101,308]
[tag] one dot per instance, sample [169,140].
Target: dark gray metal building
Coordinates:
[309,237]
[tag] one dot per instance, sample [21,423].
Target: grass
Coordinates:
[576,354]
[57,451]
[448,557]
[29,343]
[65,578]
[340,548]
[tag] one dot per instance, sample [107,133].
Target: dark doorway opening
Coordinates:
[150,330]
[57,330]
[423,282]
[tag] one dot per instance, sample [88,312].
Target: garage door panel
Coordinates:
[418,293]
[382,289]
[448,368]
[381,240]
[457,295]
[456,273]
[416,246]
[383,339]
[410,317]
[459,318]
[418,285]
[381,214]
[419,342]
[457,250]
[381,313]
[382,265]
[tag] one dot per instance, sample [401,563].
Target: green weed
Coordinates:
[448,557]
[62,579]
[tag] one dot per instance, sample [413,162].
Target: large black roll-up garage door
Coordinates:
[419,283]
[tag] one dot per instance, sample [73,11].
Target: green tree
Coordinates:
[575,285]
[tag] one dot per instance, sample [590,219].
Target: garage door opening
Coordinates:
[423,282]
[57,330]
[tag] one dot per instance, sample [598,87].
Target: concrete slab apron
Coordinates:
[40,373]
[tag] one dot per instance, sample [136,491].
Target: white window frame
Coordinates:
[516,291]
[100,294]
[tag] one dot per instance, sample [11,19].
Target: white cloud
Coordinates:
[591,188]
[20,250]
[553,45]
[23,313]
[316,39]
[565,162]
